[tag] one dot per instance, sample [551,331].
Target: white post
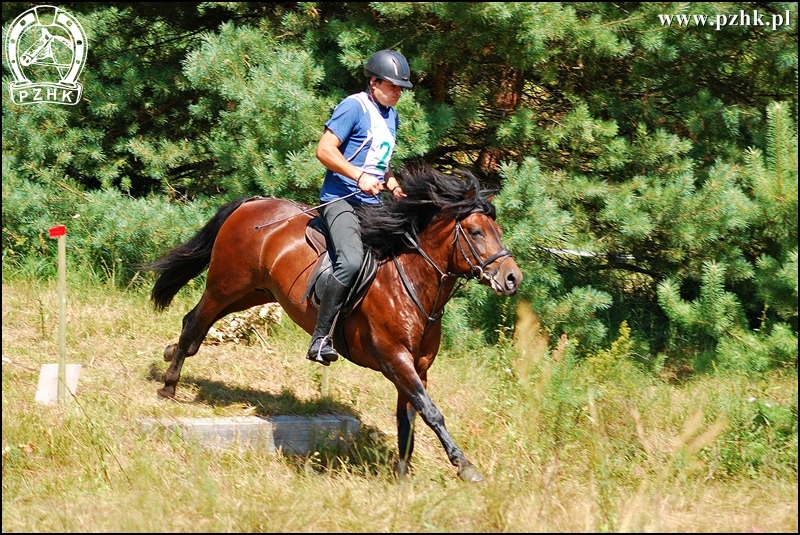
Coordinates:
[325,381]
[62,317]
[60,232]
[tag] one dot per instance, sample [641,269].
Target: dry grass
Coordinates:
[88,466]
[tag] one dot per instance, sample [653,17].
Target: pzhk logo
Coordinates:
[53,46]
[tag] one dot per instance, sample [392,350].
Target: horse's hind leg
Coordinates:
[195,327]
[192,335]
[189,327]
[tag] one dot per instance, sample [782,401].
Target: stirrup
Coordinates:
[316,355]
[318,358]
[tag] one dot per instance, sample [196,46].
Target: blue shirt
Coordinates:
[350,123]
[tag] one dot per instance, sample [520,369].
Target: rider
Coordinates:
[356,148]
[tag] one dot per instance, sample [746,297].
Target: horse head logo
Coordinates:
[45,44]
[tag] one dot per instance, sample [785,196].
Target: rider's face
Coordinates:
[386,93]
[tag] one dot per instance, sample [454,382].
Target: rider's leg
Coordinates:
[333,296]
[347,254]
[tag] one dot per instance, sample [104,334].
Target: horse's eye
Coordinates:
[476,233]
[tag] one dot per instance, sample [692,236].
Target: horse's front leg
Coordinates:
[410,386]
[406,414]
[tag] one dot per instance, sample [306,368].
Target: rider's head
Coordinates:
[389,65]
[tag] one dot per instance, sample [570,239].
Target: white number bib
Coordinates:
[379,137]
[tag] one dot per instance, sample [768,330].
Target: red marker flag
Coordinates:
[60,230]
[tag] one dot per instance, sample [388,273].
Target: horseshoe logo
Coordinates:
[54,47]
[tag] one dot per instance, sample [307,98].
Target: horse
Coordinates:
[257,251]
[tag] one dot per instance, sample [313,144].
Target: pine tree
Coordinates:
[622,148]
[773,245]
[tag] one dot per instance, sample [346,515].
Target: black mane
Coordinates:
[429,192]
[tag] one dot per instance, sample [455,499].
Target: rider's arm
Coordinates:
[392,184]
[329,155]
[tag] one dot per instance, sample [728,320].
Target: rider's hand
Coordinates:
[370,184]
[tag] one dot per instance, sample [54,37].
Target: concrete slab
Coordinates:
[290,435]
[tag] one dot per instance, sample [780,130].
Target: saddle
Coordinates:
[317,238]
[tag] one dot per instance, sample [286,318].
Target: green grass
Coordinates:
[566,446]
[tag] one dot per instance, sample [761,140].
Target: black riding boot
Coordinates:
[331,301]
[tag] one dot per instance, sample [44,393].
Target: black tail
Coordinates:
[187,260]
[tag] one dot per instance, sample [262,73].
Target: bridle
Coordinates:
[477,270]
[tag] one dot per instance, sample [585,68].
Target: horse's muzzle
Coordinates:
[505,280]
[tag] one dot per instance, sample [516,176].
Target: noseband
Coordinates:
[477,270]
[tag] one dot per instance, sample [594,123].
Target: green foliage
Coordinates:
[29,210]
[773,181]
[140,230]
[762,430]
[568,84]
[271,114]
[550,386]
[628,153]
[460,334]
[533,225]
[715,322]
[108,234]
[758,351]
[574,313]
[777,284]
[713,315]
[612,372]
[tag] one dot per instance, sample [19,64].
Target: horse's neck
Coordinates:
[437,240]
[431,277]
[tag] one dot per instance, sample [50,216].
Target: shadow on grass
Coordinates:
[367,453]
[220,394]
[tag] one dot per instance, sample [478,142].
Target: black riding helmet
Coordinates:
[391,66]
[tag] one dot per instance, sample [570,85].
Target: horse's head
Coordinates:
[456,221]
[479,252]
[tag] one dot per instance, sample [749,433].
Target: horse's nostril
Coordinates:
[511,282]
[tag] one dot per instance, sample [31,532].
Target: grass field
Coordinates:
[565,446]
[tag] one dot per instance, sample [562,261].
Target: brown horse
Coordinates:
[257,252]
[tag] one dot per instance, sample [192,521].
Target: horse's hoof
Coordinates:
[168,392]
[467,472]
[169,352]
[401,469]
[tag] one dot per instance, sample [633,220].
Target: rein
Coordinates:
[434,316]
[476,271]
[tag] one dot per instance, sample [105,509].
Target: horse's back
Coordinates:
[266,212]
[263,245]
